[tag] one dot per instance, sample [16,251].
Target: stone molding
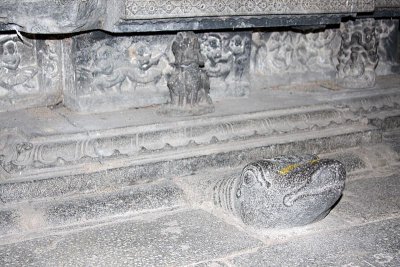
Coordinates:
[136,9]
[26,155]
[387,3]
[67,16]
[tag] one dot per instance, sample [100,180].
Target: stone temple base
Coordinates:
[126,158]
[252,116]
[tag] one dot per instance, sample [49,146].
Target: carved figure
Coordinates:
[105,74]
[14,151]
[358,55]
[188,84]
[50,59]
[283,191]
[227,61]
[218,62]
[11,73]
[313,51]
[294,52]
[144,65]
[280,51]
[386,31]
[240,48]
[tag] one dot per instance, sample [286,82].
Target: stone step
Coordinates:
[33,213]
[44,153]
[39,143]
[33,216]
[148,166]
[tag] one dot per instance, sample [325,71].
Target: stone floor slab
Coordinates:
[175,239]
[375,244]
[370,199]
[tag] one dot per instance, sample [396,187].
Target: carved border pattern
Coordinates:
[138,9]
[387,3]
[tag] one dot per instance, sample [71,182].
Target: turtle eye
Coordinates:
[249,179]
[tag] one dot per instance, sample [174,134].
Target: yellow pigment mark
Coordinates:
[288,169]
[291,167]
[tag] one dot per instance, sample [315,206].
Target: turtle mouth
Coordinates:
[290,199]
[323,180]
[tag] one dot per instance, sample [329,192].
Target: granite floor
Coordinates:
[362,230]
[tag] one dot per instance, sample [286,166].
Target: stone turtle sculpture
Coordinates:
[282,192]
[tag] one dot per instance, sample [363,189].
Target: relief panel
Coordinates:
[388,48]
[113,72]
[30,72]
[286,57]
[358,56]
[107,72]
[227,62]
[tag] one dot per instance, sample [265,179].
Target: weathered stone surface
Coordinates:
[349,54]
[188,83]
[387,3]
[156,9]
[43,213]
[30,72]
[370,199]
[55,16]
[8,221]
[282,192]
[393,139]
[351,160]
[66,16]
[286,57]
[113,72]
[358,56]
[227,63]
[174,239]
[106,72]
[388,48]
[84,151]
[374,244]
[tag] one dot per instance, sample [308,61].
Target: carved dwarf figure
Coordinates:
[188,84]
[282,192]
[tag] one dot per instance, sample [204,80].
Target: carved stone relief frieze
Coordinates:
[112,72]
[285,57]
[29,72]
[19,153]
[227,62]
[358,56]
[116,72]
